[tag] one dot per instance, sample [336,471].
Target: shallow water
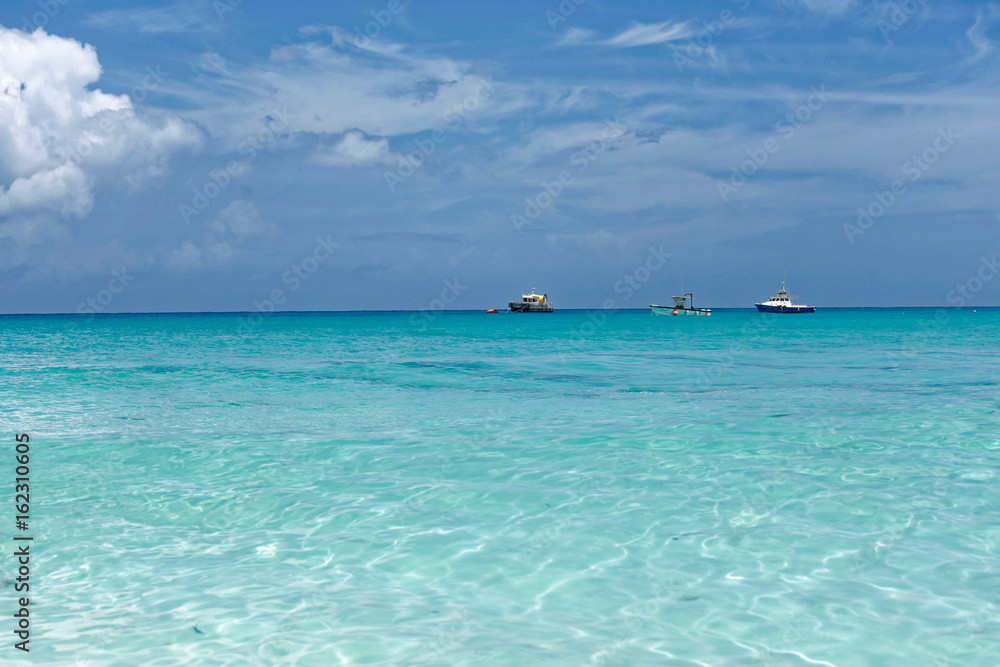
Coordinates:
[577,488]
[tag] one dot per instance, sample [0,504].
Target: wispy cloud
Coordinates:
[832,7]
[644,34]
[179,17]
[985,18]
[409,237]
[382,92]
[575,36]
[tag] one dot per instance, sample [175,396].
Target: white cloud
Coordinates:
[59,137]
[175,18]
[643,34]
[191,256]
[355,149]
[985,18]
[241,218]
[575,36]
[603,240]
[63,190]
[833,7]
[551,140]
[227,235]
[187,256]
[381,90]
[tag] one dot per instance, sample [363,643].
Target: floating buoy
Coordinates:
[675,312]
[492,310]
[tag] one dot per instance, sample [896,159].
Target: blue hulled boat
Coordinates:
[782,303]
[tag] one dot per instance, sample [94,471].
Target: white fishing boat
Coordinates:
[683,305]
[782,303]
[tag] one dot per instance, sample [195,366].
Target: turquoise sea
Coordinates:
[582,488]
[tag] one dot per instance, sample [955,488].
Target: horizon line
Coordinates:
[438,312]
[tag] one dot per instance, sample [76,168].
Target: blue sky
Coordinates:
[198,155]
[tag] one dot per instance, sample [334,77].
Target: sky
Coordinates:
[240,155]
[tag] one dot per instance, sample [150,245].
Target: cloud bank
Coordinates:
[59,136]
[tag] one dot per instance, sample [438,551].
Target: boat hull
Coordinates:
[670,310]
[521,307]
[785,310]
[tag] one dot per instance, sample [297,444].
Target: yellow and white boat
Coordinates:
[531,303]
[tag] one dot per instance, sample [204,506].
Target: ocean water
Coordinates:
[471,489]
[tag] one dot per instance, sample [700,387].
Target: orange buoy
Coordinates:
[675,312]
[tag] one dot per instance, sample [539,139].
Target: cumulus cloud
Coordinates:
[241,218]
[63,190]
[225,238]
[187,256]
[354,149]
[60,137]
